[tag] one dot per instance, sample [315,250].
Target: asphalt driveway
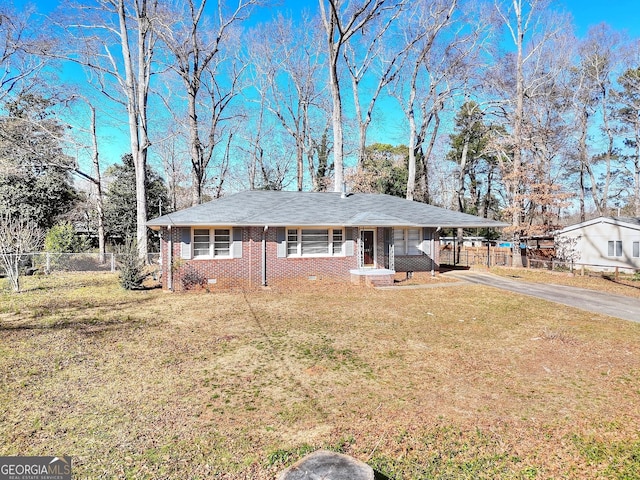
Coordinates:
[613,305]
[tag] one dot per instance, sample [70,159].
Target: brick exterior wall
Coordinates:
[414,263]
[246,272]
[409,263]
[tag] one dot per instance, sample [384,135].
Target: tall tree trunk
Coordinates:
[413,149]
[636,174]
[516,169]
[338,32]
[584,159]
[608,158]
[299,164]
[414,142]
[486,204]
[98,183]
[425,195]
[136,89]
[362,124]
[336,116]
[463,173]
[581,199]
[195,147]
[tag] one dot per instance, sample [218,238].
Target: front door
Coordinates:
[367,237]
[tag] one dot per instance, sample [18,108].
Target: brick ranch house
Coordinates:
[255,238]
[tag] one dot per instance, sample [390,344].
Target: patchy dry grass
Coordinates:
[420,383]
[604,282]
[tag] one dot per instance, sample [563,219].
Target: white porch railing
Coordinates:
[360,252]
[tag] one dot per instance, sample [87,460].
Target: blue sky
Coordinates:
[620,14]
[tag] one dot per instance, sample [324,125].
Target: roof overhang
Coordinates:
[608,220]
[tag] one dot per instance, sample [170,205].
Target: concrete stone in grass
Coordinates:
[325,465]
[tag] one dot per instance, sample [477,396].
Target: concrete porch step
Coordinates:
[380,281]
[373,277]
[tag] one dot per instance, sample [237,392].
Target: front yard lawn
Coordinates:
[442,383]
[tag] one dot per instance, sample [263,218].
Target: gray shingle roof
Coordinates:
[631,222]
[280,208]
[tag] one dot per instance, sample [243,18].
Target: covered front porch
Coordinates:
[384,251]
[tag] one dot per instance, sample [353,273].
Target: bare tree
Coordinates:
[94,177]
[372,55]
[60,135]
[548,132]
[115,41]
[318,154]
[435,71]
[430,23]
[20,50]
[342,20]
[629,114]
[18,238]
[584,103]
[530,28]
[173,153]
[200,47]
[263,147]
[597,119]
[252,145]
[600,56]
[287,64]
[96,180]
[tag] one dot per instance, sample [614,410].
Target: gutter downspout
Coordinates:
[264,255]
[433,252]
[170,260]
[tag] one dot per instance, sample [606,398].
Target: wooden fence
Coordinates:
[475,256]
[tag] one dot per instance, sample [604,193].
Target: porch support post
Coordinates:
[264,255]
[433,251]
[360,249]
[168,265]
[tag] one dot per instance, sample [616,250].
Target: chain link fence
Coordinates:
[47,262]
[556,265]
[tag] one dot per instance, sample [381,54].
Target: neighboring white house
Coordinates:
[602,243]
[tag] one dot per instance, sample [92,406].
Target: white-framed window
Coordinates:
[292,242]
[338,240]
[201,242]
[614,248]
[211,243]
[414,241]
[407,241]
[636,249]
[398,241]
[315,242]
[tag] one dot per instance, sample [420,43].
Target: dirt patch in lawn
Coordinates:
[436,383]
